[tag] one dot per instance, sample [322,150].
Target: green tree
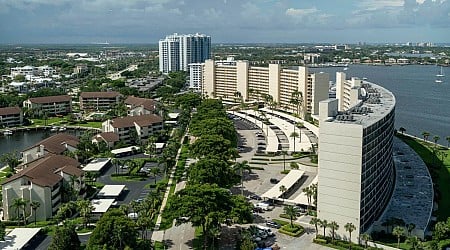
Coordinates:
[309,193]
[366,238]
[85,207]
[294,135]
[65,237]
[11,159]
[18,204]
[402,130]
[114,230]
[241,167]
[283,189]
[297,100]
[398,232]
[291,212]
[436,139]
[349,227]
[211,145]
[155,172]
[34,206]
[213,171]
[425,135]
[315,221]
[410,227]
[206,205]
[448,141]
[294,165]
[2,231]
[334,227]
[414,243]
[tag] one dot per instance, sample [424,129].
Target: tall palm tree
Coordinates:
[425,135]
[34,206]
[18,204]
[308,192]
[436,139]
[324,225]
[85,207]
[241,167]
[282,190]
[334,227]
[315,221]
[297,100]
[410,227]
[414,242]
[349,227]
[398,232]
[402,130]
[294,135]
[291,212]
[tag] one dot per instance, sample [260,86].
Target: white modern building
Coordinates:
[176,51]
[195,76]
[234,80]
[33,71]
[356,175]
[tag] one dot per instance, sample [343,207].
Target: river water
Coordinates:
[421,103]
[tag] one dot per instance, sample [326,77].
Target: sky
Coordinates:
[226,21]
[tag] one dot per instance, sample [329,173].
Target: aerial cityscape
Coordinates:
[225,124]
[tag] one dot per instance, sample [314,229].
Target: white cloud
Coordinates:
[300,12]
[379,4]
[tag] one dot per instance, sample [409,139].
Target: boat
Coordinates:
[62,129]
[345,68]
[7,132]
[438,81]
[54,129]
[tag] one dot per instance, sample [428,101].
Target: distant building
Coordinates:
[110,138]
[11,116]
[144,125]
[80,69]
[41,180]
[99,100]
[52,105]
[195,76]
[253,83]
[140,106]
[56,144]
[33,71]
[176,52]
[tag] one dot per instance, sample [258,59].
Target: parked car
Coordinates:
[273,224]
[255,197]
[274,181]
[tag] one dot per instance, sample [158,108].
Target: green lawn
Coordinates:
[439,170]
[60,121]
[128,178]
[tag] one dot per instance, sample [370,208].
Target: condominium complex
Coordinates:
[356,168]
[51,105]
[176,52]
[238,79]
[143,125]
[99,100]
[11,116]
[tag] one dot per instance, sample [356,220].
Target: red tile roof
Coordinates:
[109,94]
[51,99]
[141,120]
[108,136]
[55,144]
[10,111]
[44,171]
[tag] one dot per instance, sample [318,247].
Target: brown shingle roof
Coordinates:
[108,136]
[44,171]
[109,94]
[141,120]
[10,110]
[148,104]
[51,99]
[54,144]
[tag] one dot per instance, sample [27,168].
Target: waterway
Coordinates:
[421,103]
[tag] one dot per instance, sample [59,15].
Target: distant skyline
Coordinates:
[226,21]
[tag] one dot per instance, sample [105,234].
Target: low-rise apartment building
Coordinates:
[11,116]
[51,105]
[231,82]
[40,180]
[140,106]
[99,100]
[143,125]
[55,144]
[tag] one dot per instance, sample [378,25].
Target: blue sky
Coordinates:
[227,21]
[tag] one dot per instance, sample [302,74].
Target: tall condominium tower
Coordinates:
[176,52]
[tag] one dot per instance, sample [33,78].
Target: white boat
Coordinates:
[62,129]
[7,132]
[54,129]
[345,68]
[438,81]
[441,73]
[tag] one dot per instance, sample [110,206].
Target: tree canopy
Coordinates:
[213,171]
[65,237]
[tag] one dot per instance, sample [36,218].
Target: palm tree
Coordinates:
[324,224]
[215,233]
[282,190]
[297,100]
[241,167]
[315,221]
[414,242]
[34,206]
[308,192]
[425,135]
[410,227]
[19,203]
[366,238]
[294,165]
[291,212]
[334,227]
[294,135]
[402,130]
[155,172]
[85,207]
[349,227]
[436,139]
[398,232]
[284,153]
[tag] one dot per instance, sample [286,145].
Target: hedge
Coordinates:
[320,241]
[294,232]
